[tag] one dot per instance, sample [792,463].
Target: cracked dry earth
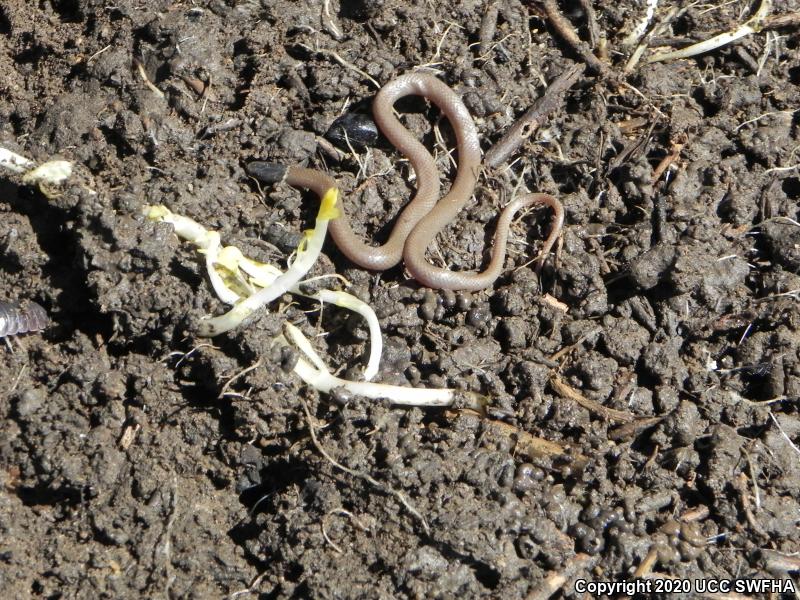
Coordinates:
[645,384]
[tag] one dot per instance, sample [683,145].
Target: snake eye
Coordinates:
[356,128]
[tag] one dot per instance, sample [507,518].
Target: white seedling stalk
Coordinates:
[186,228]
[318,376]
[248,274]
[350,302]
[752,25]
[53,172]
[264,275]
[225,293]
[306,255]
[15,162]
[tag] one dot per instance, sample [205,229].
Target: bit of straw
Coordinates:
[14,162]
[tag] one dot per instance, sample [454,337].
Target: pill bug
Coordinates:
[16,320]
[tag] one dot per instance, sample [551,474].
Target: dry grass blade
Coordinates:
[567,391]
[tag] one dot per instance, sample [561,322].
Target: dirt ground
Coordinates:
[658,351]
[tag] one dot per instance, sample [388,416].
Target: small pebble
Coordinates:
[341,396]
[463,301]
[478,316]
[288,359]
[527,477]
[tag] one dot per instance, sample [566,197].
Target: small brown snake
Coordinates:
[423,218]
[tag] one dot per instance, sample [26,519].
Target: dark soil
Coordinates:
[135,463]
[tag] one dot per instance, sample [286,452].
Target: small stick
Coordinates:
[488,28]
[740,484]
[781,21]
[536,448]
[556,358]
[591,22]
[633,428]
[568,34]
[746,58]
[778,562]
[670,158]
[646,566]
[533,118]
[695,514]
[555,580]
[561,387]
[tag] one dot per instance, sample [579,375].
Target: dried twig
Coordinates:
[568,34]
[646,566]
[536,448]
[668,160]
[697,513]
[591,22]
[533,118]
[488,28]
[556,358]
[633,428]
[740,483]
[781,21]
[779,562]
[610,414]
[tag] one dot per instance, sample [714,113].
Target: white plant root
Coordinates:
[53,172]
[247,285]
[315,373]
[306,255]
[247,275]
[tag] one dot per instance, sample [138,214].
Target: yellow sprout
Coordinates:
[306,255]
